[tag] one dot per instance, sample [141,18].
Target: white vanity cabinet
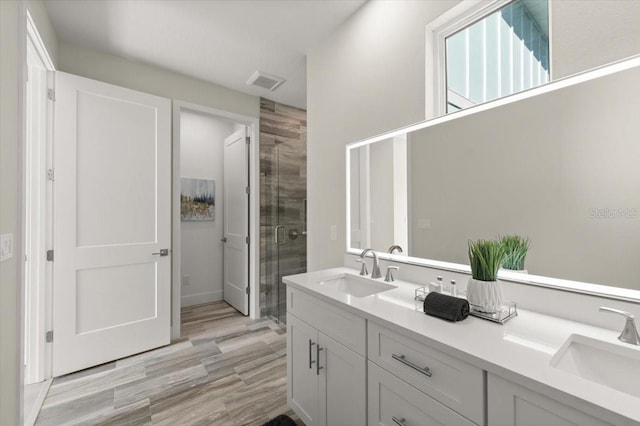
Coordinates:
[327,377]
[420,384]
[510,404]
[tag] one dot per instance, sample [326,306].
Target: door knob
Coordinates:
[224,240]
[162,252]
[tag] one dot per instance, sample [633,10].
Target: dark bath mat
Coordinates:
[281,420]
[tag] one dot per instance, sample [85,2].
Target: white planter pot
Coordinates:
[486,295]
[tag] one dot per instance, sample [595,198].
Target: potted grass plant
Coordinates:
[483,288]
[515,252]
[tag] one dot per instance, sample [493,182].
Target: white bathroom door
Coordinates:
[236,222]
[112,219]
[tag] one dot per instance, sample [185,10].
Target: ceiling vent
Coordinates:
[266,81]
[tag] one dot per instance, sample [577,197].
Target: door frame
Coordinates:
[39,358]
[253,132]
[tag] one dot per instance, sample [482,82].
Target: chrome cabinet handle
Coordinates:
[400,421]
[408,363]
[311,361]
[162,252]
[318,368]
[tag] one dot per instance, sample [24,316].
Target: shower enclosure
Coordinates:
[283,212]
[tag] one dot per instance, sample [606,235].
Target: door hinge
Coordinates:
[51,94]
[50,175]
[248,290]
[48,337]
[246,240]
[247,139]
[49,255]
[247,190]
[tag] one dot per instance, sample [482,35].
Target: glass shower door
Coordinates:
[283,222]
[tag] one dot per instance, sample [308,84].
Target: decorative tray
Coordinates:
[508,311]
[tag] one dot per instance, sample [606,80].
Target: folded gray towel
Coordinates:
[446,307]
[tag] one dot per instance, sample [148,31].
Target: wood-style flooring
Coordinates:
[226,370]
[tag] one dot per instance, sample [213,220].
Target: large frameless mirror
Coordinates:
[557,165]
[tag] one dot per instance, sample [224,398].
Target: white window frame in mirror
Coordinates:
[455,19]
[537,280]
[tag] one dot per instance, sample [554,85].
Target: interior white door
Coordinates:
[112,214]
[236,222]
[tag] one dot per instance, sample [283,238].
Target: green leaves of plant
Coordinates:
[485,258]
[516,249]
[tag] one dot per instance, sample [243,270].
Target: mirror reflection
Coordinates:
[560,168]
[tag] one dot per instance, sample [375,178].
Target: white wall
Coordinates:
[369,77]
[202,157]
[40,17]
[10,134]
[587,34]
[147,78]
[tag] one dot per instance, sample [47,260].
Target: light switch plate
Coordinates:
[6,247]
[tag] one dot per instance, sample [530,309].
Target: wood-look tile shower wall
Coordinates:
[283,194]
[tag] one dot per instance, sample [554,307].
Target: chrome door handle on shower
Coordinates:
[276,235]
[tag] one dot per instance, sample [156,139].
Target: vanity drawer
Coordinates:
[340,325]
[393,402]
[456,384]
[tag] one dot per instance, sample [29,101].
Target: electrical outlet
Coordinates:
[186,280]
[6,247]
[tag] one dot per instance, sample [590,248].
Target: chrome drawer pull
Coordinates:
[318,368]
[400,421]
[403,360]
[311,361]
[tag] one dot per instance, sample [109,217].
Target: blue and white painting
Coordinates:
[197,199]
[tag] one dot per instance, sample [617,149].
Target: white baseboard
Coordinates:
[200,298]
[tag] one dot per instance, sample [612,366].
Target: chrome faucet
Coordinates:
[375,269]
[629,333]
[394,248]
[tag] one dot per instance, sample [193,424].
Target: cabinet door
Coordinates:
[342,376]
[302,377]
[510,404]
[393,402]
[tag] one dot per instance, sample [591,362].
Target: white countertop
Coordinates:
[519,350]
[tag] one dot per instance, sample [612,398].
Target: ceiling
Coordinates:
[220,41]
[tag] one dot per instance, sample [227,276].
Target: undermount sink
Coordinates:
[356,286]
[613,365]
